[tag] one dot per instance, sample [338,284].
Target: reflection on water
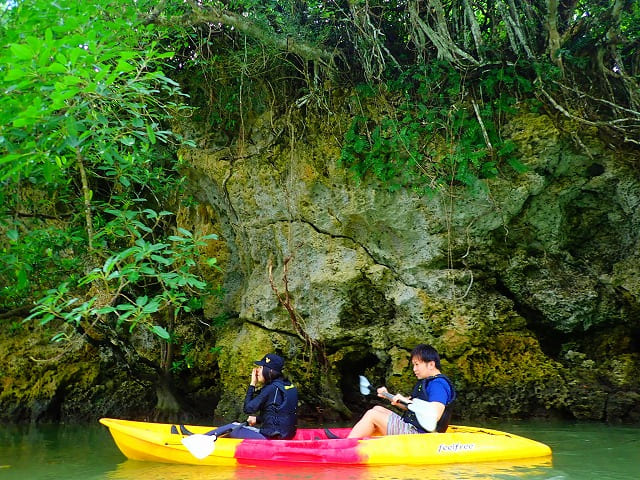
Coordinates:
[532,469]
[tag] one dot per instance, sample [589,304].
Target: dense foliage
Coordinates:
[94,93]
[88,170]
[451,71]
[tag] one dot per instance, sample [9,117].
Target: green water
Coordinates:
[580,452]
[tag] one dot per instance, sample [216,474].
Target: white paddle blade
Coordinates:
[365,386]
[426,413]
[200,446]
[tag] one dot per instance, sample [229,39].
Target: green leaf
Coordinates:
[161,332]
[517,165]
[22,278]
[57,68]
[152,307]
[124,67]
[151,134]
[46,319]
[21,52]
[59,337]
[105,310]
[15,73]
[72,80]
[162,260]
[125,307]
[200,285]
[109,264]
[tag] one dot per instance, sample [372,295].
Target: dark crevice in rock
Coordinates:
[227,197]
[275,330]
[367,306]
[346,237]
[353,364]
[551,340]
[595,170]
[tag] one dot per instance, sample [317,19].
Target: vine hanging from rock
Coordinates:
[284,298]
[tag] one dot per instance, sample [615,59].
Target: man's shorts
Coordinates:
[397,426]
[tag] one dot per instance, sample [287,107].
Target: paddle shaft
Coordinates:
[202,445]
[425,414]
[365,389]
[215,433]
[390,396]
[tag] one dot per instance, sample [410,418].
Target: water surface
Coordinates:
[581,451]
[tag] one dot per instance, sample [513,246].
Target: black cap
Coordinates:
[273,361]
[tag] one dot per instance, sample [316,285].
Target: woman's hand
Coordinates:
[251,420]
[254,377]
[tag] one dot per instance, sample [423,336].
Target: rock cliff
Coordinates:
[527,285]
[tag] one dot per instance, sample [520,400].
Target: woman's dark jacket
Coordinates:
[275,406]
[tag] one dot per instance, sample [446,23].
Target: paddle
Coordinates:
[201,445]
[425,413]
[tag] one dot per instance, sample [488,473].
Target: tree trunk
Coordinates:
[86,193]
[167,406]
[554,35]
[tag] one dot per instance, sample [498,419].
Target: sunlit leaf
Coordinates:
[161,332]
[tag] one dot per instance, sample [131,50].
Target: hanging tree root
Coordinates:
[285,300]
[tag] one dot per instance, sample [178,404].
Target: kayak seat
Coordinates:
[330,434]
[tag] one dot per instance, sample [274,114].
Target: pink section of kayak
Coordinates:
[313,447]
[320,433]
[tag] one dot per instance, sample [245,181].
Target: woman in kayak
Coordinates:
[273,406]
[432,387]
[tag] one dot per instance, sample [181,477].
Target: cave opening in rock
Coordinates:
[354,364]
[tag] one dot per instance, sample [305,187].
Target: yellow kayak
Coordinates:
[159,442]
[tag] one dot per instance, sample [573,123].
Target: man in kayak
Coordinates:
[433,387]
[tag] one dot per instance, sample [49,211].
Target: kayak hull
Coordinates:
[155,442]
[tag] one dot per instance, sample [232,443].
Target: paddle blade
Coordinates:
[365,386]
[200,446]
[426,414]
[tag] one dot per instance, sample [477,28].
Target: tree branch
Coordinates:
[514,29]
[441,39]
[554,35]
[208,15]
[475,29]
[482,127]
[614,124]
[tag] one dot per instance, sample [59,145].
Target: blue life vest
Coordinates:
[420,391]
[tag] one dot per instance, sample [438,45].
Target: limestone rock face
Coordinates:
[505,280]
